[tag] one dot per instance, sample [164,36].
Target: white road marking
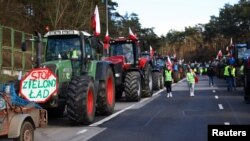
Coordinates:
[82,131]
[121,111]
[220,106]
[156,93]
[216,97]
[111,116]
[145,99]
[226,123]
[214,91]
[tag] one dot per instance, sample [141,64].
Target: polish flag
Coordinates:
[169,63]
[95,22]
[151,51]
[132,36]
[219,55]
[106,40]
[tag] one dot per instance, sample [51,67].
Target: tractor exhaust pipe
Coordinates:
[38,46]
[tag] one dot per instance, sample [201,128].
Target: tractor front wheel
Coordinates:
[81,100]
[106,95]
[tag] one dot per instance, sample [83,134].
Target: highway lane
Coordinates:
[181,117]
[159,118]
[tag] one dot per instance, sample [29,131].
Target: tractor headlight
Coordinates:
[2,103]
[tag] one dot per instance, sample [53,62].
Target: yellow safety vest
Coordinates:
[226,72]
[190,77]
[233,72]
[168,75]
[74,54]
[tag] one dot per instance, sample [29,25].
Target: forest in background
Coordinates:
[201,42]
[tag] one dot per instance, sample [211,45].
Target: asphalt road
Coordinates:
[159,118]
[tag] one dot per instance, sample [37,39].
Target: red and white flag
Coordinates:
[95,22]
[132,36]
[106,40]
[151,51]
[219,55]
[169,63]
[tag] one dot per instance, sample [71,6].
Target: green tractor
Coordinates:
[85,83]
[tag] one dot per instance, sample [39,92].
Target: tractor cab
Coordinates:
[70,48]
[127,48]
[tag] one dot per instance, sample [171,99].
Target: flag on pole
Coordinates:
[95,22]
[132,36]
[106,40]
[169,63]
[219,55]
[151,51]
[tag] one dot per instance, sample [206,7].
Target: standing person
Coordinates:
[210,74]
[168,78]
[191,81]
[233,77]
[228,76]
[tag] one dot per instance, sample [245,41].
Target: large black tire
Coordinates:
[147,89]
[81,100]
[26,132]
[156,81]
[106,95]
[162,81]
[132,86]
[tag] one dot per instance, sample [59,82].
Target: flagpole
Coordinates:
[107,26]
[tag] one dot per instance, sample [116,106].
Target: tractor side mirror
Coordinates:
[23,46]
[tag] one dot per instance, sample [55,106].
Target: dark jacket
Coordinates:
[210,71]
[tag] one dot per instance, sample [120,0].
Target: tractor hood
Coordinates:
[61,68]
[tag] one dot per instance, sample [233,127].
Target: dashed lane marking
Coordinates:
[226,123]
[220,106]
[216,97]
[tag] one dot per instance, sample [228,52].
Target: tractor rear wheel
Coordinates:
[106,95]
[147,89]
[156,80]
[133,86]
[81,100]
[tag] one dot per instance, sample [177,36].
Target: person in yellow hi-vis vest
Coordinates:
[191,81]
[233,69]
[228,76]
[168,79]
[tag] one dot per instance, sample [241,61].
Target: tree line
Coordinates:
[200,42]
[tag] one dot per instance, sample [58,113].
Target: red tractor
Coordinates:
[133,74]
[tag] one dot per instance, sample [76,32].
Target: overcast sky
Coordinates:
[164,15]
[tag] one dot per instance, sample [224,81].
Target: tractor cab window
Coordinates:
[90,52]
[63,47]
[125,49]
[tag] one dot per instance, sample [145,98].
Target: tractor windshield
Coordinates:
[123,48]
[62,47]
